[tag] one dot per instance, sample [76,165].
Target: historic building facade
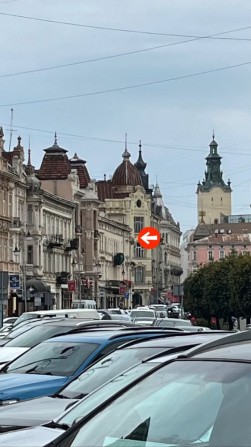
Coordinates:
[166,263]
[59,226]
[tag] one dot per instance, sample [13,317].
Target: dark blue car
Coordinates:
[48,366]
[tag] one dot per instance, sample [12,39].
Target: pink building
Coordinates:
[216,247]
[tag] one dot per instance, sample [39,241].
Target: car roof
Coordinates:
[177,339]
[236,346]
[101,336]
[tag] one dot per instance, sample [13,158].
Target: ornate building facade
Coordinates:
[166,263]
[58,226]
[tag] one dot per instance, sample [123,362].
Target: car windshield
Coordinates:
[183,404]
[54,358]
[105,369]
[36,335]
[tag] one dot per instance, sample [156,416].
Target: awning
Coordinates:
[38,285]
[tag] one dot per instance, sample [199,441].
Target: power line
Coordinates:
[129,87]
[126,30]
[113,56]
[116,141]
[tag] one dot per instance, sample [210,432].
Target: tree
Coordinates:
[221,289]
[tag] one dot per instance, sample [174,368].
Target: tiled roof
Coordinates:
[203,230]
[54,167]
[223,239]
[104,189]
[83,174]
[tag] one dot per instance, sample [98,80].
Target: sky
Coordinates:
[168,73]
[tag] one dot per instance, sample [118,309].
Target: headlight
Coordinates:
[9,402]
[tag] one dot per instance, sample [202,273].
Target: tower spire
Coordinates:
[126,155]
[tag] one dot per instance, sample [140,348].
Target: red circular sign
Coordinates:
[149,238]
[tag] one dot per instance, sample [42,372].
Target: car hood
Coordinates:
[33,412]
[27,386]
[10,353]
[30,437]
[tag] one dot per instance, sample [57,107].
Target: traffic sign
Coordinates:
[149,238]
[72,286]
[14,282]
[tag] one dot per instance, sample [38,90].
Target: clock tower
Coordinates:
[213,194]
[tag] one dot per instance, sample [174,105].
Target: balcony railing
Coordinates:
[56,240]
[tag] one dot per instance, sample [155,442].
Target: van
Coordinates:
[83,304]
[89,314]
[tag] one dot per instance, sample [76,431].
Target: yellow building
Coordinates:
[127,199]
[213,194]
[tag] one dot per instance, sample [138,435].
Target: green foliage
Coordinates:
[221,288]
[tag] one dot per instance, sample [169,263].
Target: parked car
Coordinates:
[143,316]
[38,436]
[211,384]
[113,314]
[48,366]
[34,333]
[9,320]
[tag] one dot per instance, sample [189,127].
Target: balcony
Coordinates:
[16,224]
[55,241]
[73,244]
[62,278]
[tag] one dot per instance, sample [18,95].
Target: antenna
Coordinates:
[11,129]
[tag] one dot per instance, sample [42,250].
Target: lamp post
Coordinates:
[22,250]
[79,281]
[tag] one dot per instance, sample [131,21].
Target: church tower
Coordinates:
[213,194]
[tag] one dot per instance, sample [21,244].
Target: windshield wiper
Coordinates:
[36,362]
[53,424]
[60,396]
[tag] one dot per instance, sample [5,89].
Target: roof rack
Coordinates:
[235,337]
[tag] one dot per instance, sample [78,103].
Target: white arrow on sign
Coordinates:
[147,237]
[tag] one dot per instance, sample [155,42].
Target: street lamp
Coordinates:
[22,251]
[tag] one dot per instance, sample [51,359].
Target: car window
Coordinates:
[37,334]
[53,358]
[202,403]
[105,369]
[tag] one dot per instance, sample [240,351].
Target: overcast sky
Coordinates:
[174,119]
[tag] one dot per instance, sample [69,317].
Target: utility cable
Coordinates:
[125,30]
[113,56]
[129,87]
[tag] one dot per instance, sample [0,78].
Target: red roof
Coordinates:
[104,189]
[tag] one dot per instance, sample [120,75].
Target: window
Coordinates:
[29,215]
[138,224]
[138,203]
[30,254]
[194,255]
[166,238]
[210,255]
[139,275]
[165,258]
[222,254]
[139,252]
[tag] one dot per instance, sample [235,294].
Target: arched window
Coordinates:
[216,221]
[165,258]
[139,275]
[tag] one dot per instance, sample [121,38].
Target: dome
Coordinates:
[126,173]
